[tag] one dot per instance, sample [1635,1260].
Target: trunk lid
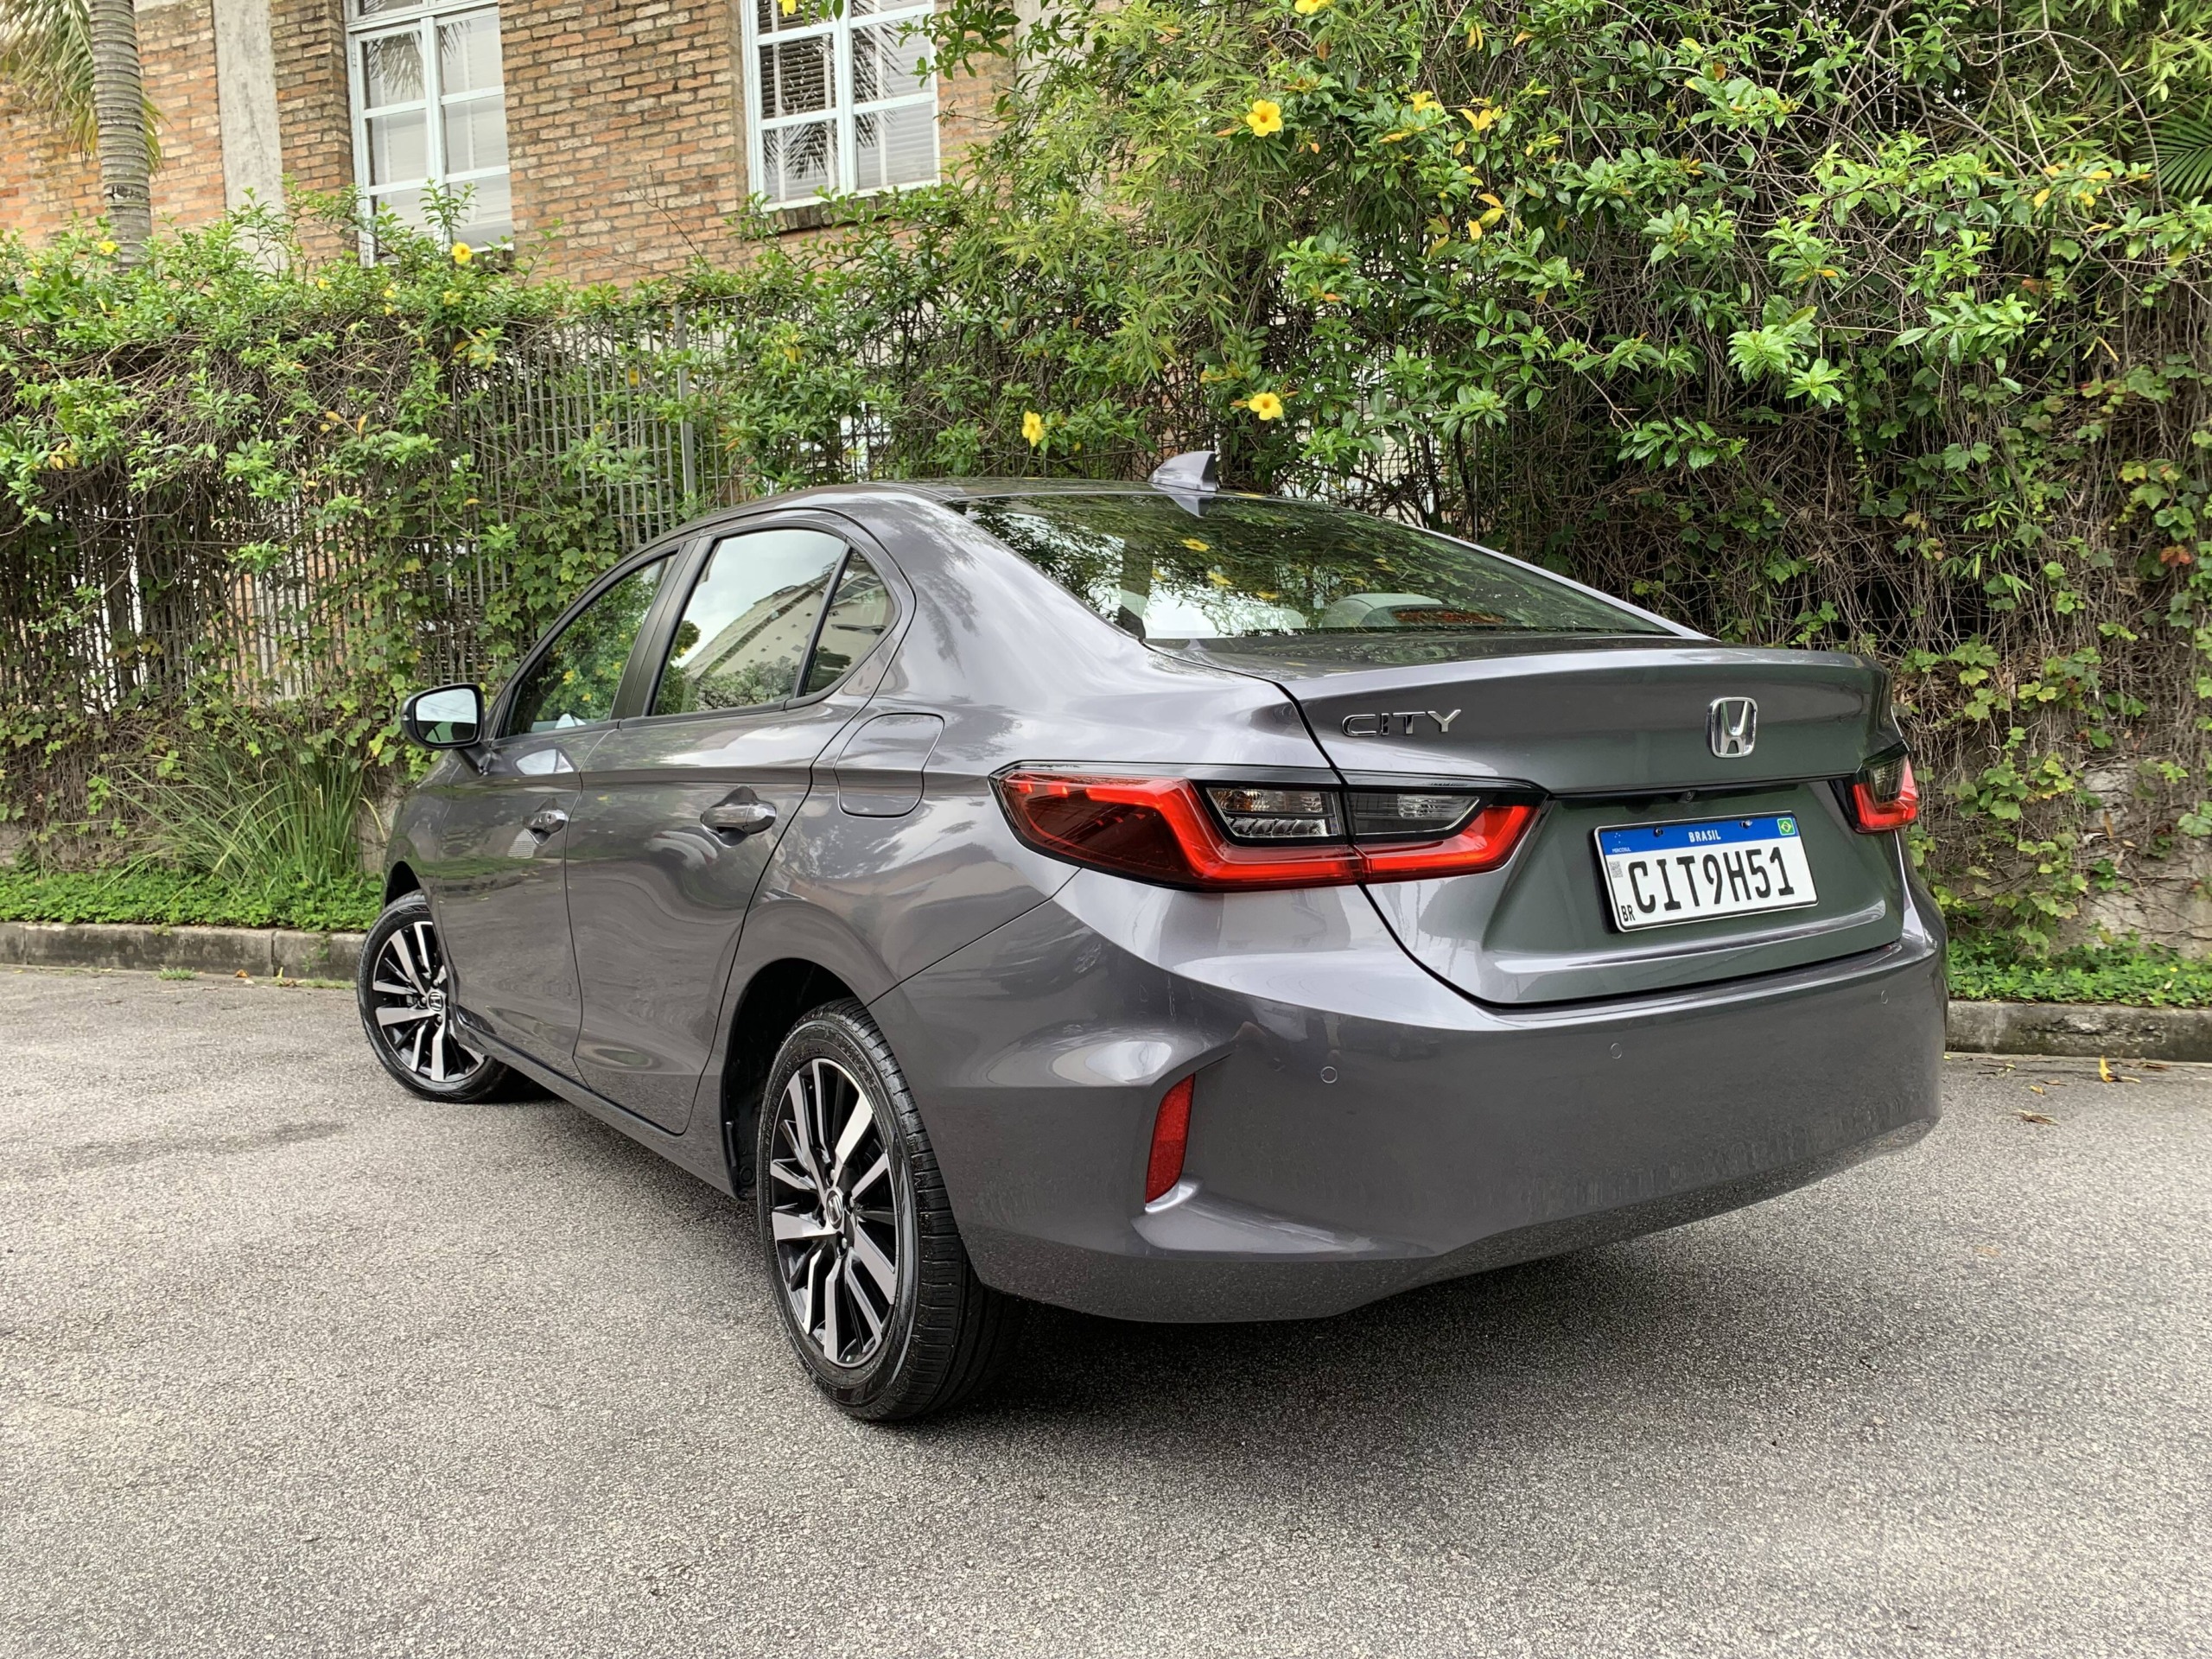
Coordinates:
[1617,734]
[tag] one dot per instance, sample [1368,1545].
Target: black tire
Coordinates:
[938,1335]
[401,989]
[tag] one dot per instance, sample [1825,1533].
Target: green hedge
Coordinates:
[172,900]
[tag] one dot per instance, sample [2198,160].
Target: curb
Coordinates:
[258,952]
[2088,1030]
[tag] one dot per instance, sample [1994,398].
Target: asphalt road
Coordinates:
[290,1363]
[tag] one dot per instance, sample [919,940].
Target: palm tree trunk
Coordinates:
[119,101]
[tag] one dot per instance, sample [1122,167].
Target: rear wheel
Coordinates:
[869,1275]
[402,986]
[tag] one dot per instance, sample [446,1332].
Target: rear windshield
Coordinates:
[1256,575]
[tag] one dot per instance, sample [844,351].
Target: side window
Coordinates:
[748,622]
[575,682]
[856,619]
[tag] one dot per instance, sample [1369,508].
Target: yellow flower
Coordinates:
[109,247]
[789,8]
[1266,406]
[462,253]
[1192,542]
[1032,428]
[1264,117]
[1307,7]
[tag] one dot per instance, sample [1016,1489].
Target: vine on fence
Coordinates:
[1879,327]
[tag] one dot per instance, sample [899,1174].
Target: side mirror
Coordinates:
[444,717]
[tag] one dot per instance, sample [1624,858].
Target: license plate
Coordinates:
[1658,874]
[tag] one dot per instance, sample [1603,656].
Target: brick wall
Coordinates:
[314,117]
[625,125]
[46,180]
[625,131]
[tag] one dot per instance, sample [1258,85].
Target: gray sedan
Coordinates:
[1168,903]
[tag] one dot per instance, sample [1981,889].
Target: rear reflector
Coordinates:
[1884,797]
[1226,836]
[1171,1134]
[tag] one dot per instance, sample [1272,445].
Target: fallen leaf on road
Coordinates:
[2036,1117]
[2035,1088]
[2104,1071]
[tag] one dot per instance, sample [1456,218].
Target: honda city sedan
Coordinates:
[1167,903]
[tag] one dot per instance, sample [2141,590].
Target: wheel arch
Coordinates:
[774,999]
[400,880]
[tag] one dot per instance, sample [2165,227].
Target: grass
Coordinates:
[254,817]
[2139,975]
[176,898]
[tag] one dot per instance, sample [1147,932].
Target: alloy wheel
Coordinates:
[835,1213]
[412,1014]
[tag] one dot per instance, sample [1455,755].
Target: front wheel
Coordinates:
[402,986]
[873,1285]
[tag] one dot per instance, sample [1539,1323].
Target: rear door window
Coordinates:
[856,619]
[747,625]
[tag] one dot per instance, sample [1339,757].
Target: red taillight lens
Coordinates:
[1171,1136]
[1483,842]
[1257,836]
[1156,830]
[1884,797]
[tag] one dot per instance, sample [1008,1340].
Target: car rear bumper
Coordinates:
[1358,1128]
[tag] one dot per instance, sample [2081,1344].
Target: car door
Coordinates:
[497,834]
[681,806]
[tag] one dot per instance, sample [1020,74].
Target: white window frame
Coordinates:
[422,21]
[838,28]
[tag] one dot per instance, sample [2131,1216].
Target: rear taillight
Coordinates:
[1884,797]
[1216,837]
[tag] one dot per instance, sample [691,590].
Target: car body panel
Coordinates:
[496,887]
[656,899]
[1540,930]
[1633,716]
[1356,1127]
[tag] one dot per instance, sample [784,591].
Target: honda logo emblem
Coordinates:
[1732,727]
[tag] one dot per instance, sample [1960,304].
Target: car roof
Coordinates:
[936,491]
[947,490]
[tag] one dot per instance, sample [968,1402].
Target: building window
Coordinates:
[834,103]
[430,108]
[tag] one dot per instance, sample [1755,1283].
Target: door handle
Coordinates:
[739,817]
[546,822]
